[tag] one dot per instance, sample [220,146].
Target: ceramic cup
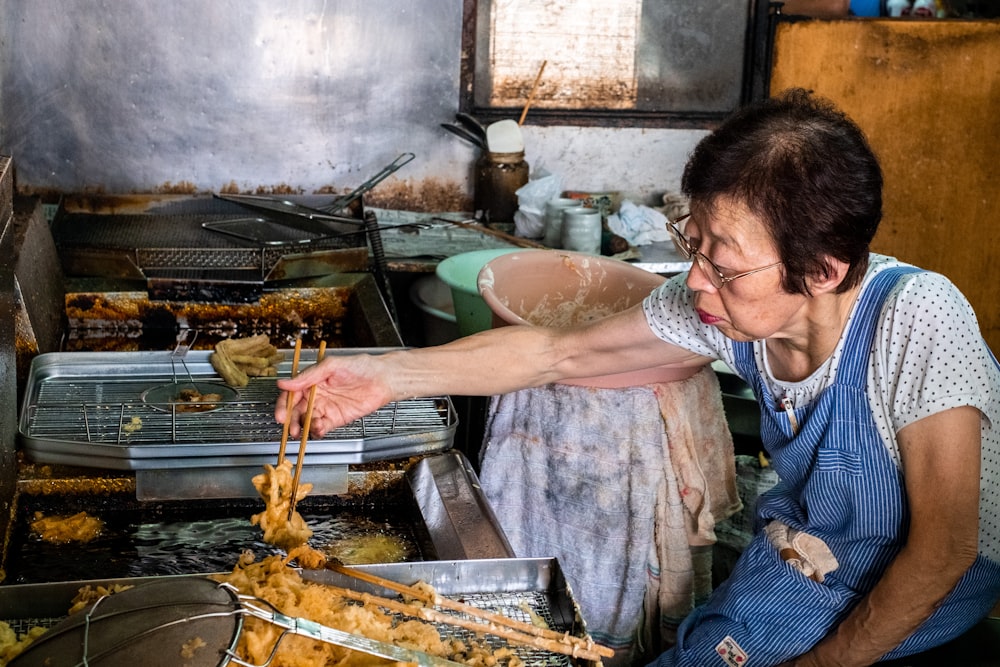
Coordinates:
[581,230]
[553,219]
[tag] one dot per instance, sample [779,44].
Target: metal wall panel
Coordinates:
[130,96]
[303,96]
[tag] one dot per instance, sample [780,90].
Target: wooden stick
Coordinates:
[305,436]
[448,603]
[576,650]
[513,240]
[531,95]
[289,402]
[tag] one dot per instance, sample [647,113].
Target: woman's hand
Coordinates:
[348,387]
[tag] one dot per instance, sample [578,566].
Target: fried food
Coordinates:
[191,400]
[271,580]
[88,595]
[80,527]
[132,426]
[189,648]
[231,374]
[239,359]
[275,487]
[12,644]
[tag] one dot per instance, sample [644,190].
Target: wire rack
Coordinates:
[525,606]
[85,407]
[106,412]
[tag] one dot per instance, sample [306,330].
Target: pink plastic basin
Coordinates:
[561,288]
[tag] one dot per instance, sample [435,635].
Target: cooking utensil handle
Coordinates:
[343,202]
[306,628]
[306,425]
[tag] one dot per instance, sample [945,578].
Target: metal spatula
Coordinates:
[183,620]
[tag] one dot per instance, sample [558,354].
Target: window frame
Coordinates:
[761,16]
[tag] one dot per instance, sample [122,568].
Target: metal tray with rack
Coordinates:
[105,409]
[525,589]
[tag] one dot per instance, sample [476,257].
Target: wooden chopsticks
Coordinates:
[565,645]
[289,403]
[497,624]
[307,422]
[531,95]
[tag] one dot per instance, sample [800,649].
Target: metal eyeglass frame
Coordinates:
[707,266]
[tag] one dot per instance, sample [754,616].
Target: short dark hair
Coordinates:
[805,169]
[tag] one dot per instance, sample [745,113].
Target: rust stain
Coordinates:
[294,306]
[41,479]
[583,93]
[129,321]
[281,189]
[423,196]
[181,188]
[112,204]
[426,196]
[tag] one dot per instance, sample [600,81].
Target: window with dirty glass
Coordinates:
[661,62]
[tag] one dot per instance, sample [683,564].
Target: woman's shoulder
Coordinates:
[925,316]
[921,287]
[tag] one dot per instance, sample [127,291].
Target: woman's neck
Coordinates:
[796,356]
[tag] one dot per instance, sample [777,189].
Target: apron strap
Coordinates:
[852,369]
[859,335]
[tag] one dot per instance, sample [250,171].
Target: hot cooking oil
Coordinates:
[165,541]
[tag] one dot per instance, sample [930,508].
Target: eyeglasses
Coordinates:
[707,266]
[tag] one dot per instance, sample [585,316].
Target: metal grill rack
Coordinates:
[109,410]
[521,606]
[511,605]
[519,588]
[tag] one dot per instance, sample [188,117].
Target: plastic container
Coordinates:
[432,296]
[460,273]
[562,288]
[866,7]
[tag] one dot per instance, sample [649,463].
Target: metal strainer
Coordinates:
[189,621]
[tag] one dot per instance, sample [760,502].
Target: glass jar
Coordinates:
[498,177]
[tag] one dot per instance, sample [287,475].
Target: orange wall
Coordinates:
[928,95]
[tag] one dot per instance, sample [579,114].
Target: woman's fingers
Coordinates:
[347,388]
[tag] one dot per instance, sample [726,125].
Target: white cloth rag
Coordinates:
[588,476]
[639,225]
[806,553]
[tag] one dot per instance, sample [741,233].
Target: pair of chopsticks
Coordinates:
[290,401]
[496,624]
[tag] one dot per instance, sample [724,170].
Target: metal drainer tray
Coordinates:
[514,587]
[87,409]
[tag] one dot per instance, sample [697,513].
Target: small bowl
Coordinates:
[561,288]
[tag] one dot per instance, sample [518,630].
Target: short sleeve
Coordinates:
[670,313]
[932,355]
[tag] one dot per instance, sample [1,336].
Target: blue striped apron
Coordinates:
[839,483]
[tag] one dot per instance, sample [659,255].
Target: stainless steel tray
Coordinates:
[515,587]
[100,409]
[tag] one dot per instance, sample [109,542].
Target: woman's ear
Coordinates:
[831,277]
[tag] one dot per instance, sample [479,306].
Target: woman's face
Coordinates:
[751,307]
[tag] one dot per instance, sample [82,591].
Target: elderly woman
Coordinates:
[878,397]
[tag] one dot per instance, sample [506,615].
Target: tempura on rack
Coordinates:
[282,586]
